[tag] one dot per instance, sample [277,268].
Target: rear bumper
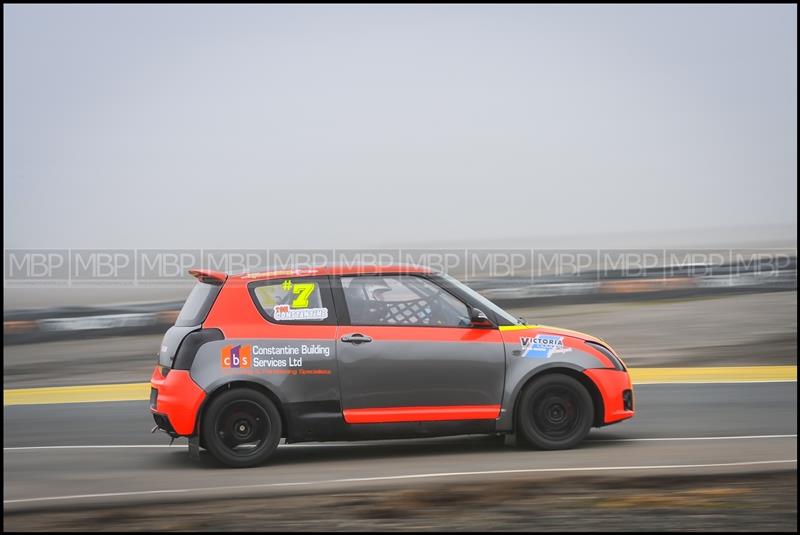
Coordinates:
[176,401]
[617,392]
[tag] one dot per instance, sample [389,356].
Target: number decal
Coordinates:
[303,291]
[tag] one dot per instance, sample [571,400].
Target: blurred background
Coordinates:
[657,141]
[628,171]
[383,126]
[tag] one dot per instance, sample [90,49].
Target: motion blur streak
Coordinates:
[349,444]
[735,374]
[409,476]
[76,394]
[141,391]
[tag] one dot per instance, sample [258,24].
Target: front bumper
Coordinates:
[176,401]
[617,392]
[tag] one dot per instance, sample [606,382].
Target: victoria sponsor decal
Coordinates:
[542,346]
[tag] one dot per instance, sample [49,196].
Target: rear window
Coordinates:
[302,300]
[197,305]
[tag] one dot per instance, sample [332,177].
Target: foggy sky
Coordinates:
[354,126]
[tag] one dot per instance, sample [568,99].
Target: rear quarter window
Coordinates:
[197,305]
[306,301]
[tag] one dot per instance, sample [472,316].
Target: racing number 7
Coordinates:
[303,291]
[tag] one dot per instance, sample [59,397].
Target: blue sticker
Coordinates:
[542,346]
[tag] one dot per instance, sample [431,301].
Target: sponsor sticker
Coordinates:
[542,346]
[288,300]
[274,358]
[287,313]
[235,356]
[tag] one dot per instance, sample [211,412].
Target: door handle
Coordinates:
[356,338]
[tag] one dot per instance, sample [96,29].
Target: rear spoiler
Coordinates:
[208,276]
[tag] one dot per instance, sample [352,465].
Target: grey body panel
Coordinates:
[293,378]
[314,388]
[400,373]
[170,343]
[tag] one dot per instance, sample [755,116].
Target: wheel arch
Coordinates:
[243,383]
[575,373]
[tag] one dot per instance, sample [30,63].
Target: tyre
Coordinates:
[555,412]
[241,427]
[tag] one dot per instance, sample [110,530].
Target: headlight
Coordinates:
[618,365]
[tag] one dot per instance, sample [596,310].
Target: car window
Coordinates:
[300,300]
[401,300]
[197,305]
[483,303]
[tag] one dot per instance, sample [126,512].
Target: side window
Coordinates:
[401,300]
[294,301]
[196,307]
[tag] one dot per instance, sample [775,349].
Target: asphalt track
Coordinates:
[58,455]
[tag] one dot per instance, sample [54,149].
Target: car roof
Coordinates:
[334,269]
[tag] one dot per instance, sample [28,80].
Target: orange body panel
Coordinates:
[421,414]
[611,384]
[179,399]
[425,334]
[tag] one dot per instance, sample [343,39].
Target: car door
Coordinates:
[408,352]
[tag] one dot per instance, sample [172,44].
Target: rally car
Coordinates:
[371,352]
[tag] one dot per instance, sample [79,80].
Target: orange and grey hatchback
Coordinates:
[371,352]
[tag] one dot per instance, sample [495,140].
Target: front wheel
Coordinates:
[241,428]
[555,412]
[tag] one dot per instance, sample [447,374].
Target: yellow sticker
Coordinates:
[303,291]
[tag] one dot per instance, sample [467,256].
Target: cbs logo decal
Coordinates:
[235,356]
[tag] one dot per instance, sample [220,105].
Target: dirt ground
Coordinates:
[736,502]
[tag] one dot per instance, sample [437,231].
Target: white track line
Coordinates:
[720,382]
[394,478]
[657,439]
[91,446]
[173,446]
[348,444]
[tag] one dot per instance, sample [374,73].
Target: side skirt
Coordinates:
[323,421]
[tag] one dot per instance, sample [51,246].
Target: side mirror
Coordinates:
[478,319]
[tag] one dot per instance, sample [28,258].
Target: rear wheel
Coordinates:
[241,427]
[555,412]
